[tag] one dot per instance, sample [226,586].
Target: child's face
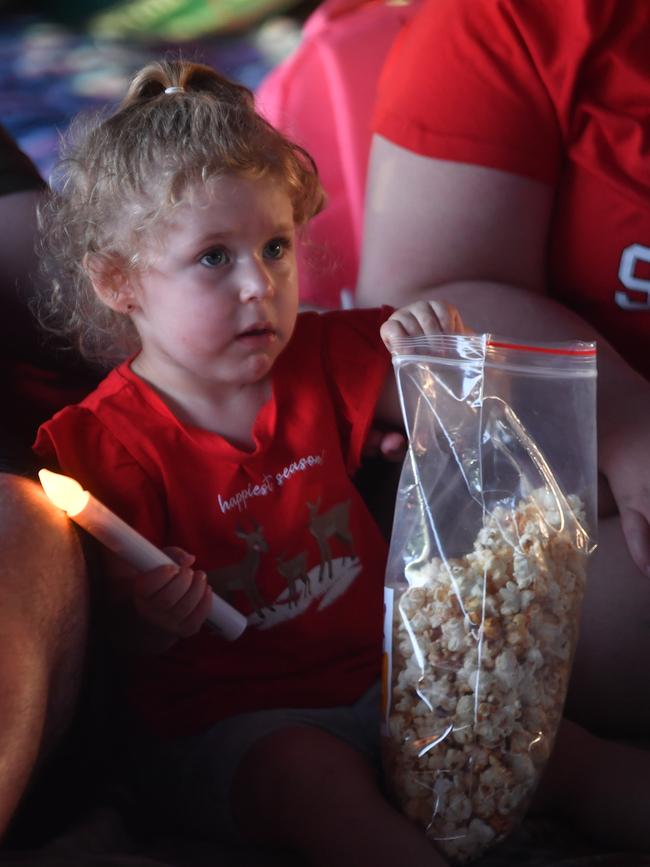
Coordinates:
[218,297]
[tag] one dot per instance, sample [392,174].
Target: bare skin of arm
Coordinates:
[476,237]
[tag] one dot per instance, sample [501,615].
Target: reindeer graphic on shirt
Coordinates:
[333,523]
[292,571]
[242,574]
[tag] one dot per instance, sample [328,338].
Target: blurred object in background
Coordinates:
[166,20]
[178,20]
[322,96]
[51,69]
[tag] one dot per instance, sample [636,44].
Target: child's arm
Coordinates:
[420,318]
[152,610]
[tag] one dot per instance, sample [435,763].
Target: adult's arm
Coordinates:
[429,223]
[477,237]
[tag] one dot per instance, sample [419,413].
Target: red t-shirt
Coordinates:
[555,90]
[282,531]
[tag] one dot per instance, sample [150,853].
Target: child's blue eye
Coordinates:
[276,248]
[214,258]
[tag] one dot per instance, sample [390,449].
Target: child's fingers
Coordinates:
[167,594]
[180,556]
[181,606]
[431,317]
[197,616]
[437,316]
[420,318]
[148,584]
[456,324]
[393,329]
[191,598]
[393,446]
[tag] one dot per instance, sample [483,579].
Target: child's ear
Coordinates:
[108,274]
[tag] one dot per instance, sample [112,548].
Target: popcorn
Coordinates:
[482,649]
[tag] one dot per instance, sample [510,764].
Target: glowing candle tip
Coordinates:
[64,492]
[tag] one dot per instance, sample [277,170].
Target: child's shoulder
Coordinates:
[115,386]
[122,397]
[101,414]
[109,429]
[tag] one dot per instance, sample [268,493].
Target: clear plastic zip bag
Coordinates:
[494,522]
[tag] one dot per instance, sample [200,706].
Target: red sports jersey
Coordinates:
[553,90]
[281,531]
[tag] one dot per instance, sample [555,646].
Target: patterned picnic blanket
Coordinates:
[49,72]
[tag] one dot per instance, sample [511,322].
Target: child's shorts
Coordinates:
[189,779]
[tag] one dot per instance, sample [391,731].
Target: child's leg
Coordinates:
[601,787]
[304,789]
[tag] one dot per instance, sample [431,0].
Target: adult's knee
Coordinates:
[44,599]
[40,553]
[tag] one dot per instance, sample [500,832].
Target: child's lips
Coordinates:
[259,332]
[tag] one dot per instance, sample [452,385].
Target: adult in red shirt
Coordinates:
[509,173]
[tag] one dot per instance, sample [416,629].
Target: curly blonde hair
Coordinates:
[120,174]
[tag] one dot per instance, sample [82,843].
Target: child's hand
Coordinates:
[388,444]
[420,318]
[175,599]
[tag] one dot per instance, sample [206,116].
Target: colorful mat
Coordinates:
[49,72]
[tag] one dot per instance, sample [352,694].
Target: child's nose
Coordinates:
[255,281]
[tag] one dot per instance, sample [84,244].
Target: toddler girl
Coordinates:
[230,429]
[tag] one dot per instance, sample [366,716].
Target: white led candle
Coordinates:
[127,543]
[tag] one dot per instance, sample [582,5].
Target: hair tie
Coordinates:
[174,90]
